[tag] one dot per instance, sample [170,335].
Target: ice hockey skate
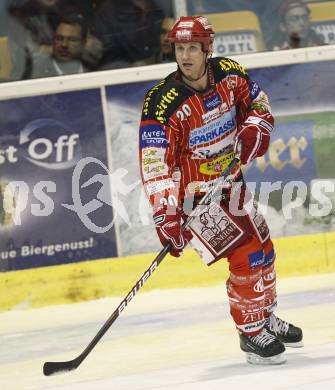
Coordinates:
[262,349]
[288,334]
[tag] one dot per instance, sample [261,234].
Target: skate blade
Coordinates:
[298,344]
[252,358]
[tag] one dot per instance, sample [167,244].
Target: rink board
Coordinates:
[296,256]
[102,123]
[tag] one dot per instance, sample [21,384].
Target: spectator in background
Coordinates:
[31,28]
[265,10]
[67,47]
[294,28]
[30,31]
[129,31]
[165,53]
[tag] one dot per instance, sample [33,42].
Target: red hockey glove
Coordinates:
[254,136]
[168,226]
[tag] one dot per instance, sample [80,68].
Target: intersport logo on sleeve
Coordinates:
[153,135]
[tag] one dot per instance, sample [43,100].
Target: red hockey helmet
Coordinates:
[192,29]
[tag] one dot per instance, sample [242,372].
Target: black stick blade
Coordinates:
[52,368]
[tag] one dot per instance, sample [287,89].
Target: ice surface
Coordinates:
[173,339]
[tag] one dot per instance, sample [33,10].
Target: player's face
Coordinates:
[191,59]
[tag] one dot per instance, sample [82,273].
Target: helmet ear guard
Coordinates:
[192,29]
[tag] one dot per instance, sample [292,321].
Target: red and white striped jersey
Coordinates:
[190,134]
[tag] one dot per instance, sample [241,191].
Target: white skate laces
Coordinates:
[277,325]
[263,339]
[287,333]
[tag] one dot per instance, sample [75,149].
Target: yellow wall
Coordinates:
[303,255]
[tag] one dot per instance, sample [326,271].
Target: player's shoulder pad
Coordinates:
[223,67]
[163,99]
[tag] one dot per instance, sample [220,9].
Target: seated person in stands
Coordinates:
[165,52]
[31,27]
[129,31]
[30,31]
[68,44]
[295,28]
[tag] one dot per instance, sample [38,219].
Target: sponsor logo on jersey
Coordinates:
[216,166]
[214,114]
[153,164]
[153,135]
[211,115]
[152,172]
[213,151]
[149,95]
[254,89]
[150,152]
[212,102]
[163,104]
[256,259]
[212,131]
[228,65]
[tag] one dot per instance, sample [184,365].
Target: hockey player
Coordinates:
[192,122]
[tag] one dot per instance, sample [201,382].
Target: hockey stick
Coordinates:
[51,368]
